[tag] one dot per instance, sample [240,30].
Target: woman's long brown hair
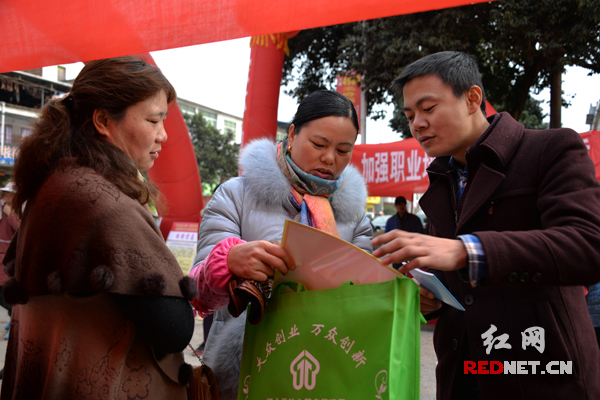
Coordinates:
[65,129]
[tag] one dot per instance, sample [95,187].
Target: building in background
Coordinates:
[593,117]
[222,121]
[22,95]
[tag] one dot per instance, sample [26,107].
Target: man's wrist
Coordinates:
[477,269]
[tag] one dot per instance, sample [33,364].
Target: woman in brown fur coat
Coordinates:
[101,305]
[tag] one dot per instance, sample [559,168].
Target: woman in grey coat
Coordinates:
[306,178]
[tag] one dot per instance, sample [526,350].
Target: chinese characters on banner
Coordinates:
[349,86]
[400,168]
[393,169]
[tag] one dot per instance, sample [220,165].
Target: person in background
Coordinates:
[306,178]
[403,220]
[515,224]
[9,223]
[100,305]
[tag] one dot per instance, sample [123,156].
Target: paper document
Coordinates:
[324,261]
[431,282]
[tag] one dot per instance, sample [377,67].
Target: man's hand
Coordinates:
[258,260]
[421,251]
[428,301]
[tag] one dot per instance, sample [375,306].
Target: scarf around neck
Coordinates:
[309,193]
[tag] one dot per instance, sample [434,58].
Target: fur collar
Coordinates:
[269,185]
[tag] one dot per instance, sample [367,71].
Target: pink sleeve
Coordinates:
[212,276]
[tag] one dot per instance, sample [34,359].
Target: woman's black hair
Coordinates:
[324,103]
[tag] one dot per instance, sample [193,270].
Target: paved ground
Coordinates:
[428,360]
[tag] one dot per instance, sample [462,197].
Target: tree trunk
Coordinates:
[523,86]
[556,97]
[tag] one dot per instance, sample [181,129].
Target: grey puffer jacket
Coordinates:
[255,207]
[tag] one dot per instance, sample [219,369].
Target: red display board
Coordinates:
[349,86]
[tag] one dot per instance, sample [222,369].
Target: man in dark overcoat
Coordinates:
[515,219]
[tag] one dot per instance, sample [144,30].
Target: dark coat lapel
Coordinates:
[485,183]
[487,159]
[436,203]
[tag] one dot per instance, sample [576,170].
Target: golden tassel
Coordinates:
[280,40]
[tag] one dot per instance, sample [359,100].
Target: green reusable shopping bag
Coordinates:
[354,342]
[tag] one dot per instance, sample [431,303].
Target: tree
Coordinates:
[539,38]
[216,152]
[521,46]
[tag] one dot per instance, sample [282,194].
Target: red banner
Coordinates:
[399,168]
[349,86]
[592,142]
[393,169]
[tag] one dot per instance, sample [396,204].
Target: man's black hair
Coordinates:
[457,70]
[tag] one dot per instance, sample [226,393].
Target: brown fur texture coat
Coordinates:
[80,235]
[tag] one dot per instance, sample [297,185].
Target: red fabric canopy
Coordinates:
[37,33]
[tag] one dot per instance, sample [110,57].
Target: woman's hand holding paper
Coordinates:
[258,260]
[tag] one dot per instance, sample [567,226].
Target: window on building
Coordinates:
[62,73]
[211,118]
[185,109]
[230,127]
[25,132]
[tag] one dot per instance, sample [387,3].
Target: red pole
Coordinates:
[264,81]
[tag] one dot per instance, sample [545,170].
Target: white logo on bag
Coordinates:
[302,371]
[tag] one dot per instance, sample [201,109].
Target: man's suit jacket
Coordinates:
[534,202]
